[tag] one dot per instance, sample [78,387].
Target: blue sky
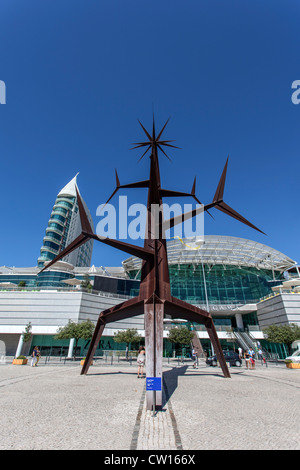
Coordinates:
[80,73]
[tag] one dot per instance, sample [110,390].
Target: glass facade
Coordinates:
[219,284]
[26,280]
[52,278]
[63,227]
[54,242]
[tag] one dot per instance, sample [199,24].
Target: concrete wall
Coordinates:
[92,305]
[49,310]
[279,310]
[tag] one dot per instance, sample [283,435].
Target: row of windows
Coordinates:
[54,235]
[52,245]
[62,204]
[60,210]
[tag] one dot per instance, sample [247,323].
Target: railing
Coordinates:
[65,289]
[274,294]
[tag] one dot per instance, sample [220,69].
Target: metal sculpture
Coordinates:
[154,299]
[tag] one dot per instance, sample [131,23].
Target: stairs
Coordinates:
[246,342]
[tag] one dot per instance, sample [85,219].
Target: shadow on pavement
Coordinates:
[170,379]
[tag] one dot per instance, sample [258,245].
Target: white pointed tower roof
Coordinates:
[70,188]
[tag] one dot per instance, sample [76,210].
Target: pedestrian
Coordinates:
[194,357]
[126,353]
[34,356]
[240,352]
[247,358]
[38,356]
[141,362]
[252,358]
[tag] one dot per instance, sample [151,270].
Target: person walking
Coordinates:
[34,356]
[38,356]
[252,358]
[194,357]
[141,362]
[240,352]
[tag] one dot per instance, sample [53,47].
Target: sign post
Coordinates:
[153,384]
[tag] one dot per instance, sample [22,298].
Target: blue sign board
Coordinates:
[153,383]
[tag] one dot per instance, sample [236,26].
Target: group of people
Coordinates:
[249,356]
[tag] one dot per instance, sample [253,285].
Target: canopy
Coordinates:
[291,282]
[7,284]
[72,282]
[275,288]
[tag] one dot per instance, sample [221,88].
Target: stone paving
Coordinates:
[54,407]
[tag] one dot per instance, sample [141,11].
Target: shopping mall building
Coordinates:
[244,284]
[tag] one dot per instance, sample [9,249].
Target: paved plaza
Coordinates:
[54,407]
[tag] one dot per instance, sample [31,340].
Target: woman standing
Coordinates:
[141,361]
[247,358]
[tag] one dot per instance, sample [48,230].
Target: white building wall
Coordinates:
[279,310]
[49,310]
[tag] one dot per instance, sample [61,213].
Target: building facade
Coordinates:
[239,281]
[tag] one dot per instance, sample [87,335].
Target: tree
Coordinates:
[128,336]
[77,331]
[286,334]
[180,335]
[86,283]
[27,335]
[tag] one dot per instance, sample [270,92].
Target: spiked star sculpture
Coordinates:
[154,299]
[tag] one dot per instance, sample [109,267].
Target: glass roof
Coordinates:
[219,249]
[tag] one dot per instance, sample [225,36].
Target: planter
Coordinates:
[82,362]
[20,362]
[293,365]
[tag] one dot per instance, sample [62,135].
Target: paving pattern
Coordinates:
[54,407]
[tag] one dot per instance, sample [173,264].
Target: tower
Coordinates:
[64,226]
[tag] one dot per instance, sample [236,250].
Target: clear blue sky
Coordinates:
[80,73]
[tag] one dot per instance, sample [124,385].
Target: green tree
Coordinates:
[77,331]
[180,335]
[286,334]
[27,335]
[128,336]
[86,283]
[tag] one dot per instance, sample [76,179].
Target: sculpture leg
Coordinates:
[179,309]
[154,314]
[211,330]
[93,346]
[126,309]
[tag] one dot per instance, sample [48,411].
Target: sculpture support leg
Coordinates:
[154,314]
[211,330]
[93,346]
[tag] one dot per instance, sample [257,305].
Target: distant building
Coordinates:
[63,227]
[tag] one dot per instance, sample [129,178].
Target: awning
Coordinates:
[277,288]
[291,282]
[72,282]
[7,284]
